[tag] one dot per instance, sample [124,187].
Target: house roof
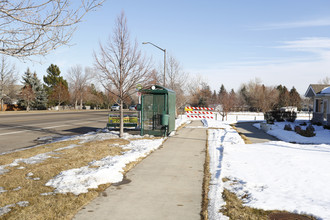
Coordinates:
[326,90]
[157,89]
[314,89]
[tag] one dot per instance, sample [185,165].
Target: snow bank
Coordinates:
[277,130]
[274,175]
[280,175]
[110,169]
[218,139]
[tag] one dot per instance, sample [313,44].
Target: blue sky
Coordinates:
[225,42]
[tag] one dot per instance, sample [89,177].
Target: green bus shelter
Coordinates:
[157,111]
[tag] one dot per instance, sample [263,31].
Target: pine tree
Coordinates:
[27,92]
[284,96]
[222,93]
[53,81]
[41,96]
[27,78]
[295,99]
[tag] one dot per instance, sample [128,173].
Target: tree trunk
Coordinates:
[76,104]
[2,105]
[121,133]
[81,104]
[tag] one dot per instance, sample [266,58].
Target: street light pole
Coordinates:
[164,50]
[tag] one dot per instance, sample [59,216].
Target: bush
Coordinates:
[288,127]
[297,129]
[269,117]
[290,116]
[303,124]
[310,128]
[279,116]
[309,132]
[317,123]
[326,127]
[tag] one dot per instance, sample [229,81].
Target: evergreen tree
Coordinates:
[27,92]
[53,81]
[295,99]
[284,96]
[214,97]
[222,94]
[40,102]
[27,78]
[40,96]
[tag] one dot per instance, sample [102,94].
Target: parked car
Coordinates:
[115,107]
[132,108]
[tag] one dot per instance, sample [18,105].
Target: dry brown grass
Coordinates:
[235,209]
[181,126]
[30,188]
[206,182]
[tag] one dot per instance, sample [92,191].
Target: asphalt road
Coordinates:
[21,130]
[254,134]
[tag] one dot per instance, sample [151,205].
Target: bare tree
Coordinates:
[258,96]
[78,81]
[176,80]
[60,94]
[326,80]
[30,27]
[266,97]
[227,101]
[121,65]
[28,96]
[8,78]
[200,93]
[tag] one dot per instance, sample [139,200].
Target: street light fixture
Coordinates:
[164,50]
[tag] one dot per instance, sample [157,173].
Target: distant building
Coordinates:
[320,93]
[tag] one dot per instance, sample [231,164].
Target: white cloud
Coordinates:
[295,24]
[312,44]
[296,71]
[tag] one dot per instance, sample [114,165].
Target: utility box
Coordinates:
[157,111]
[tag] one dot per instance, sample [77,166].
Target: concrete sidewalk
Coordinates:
[165,185]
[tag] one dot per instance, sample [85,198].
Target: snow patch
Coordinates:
[218,139]
[271,175]
[110,169]
[7,208]
[277,130]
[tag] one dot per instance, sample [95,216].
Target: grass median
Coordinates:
[23,193]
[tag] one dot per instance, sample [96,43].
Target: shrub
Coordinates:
[297,129]
[309,132]
[279,116]
[303,124]
[288,127]
[310,128]
[326,127]
[290,116]
[317,123]
[269,117]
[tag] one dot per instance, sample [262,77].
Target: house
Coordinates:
[320,93]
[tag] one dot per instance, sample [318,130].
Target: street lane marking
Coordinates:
[38,129]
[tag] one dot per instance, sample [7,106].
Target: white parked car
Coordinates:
[132,107]
[115,107]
